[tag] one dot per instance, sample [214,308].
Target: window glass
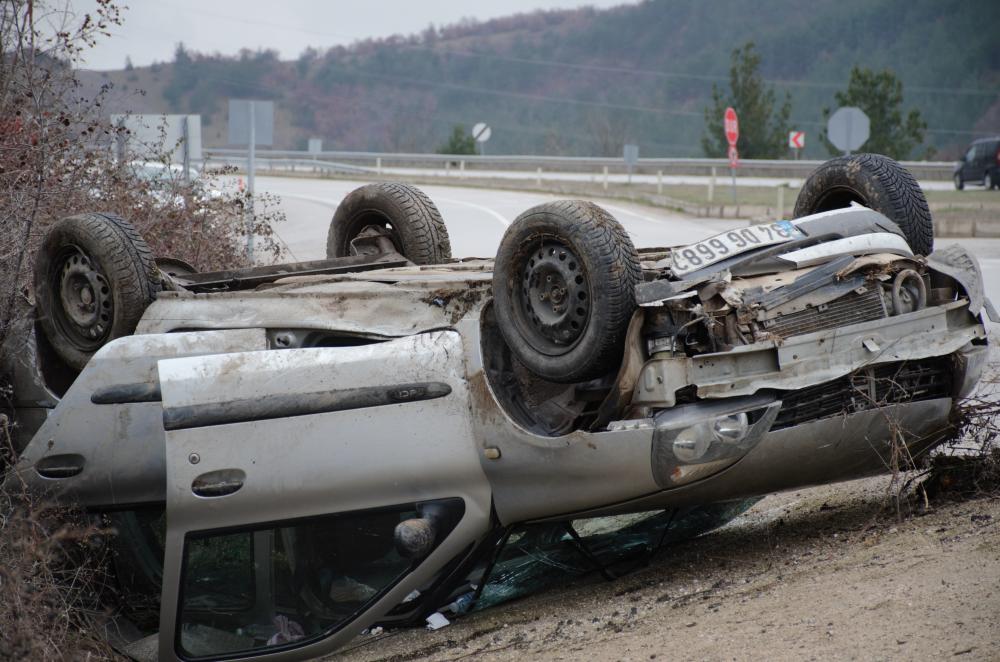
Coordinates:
[285,584]
[970,156]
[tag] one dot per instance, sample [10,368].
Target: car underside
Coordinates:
[352,441]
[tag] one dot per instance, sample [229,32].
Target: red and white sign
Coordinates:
[796,139]
[732,126]
[734,157]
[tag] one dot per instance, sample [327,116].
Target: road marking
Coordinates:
[308,198]
[621,210]
[486,210]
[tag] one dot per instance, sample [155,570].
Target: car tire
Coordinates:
[564,287]
[959,182]
[402,213]
[877,182]
[988,181]
[94,277]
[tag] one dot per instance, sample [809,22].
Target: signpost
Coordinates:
[631,155]
[848,128]
[150,136]
[482,132]
[251,123]
[731,125]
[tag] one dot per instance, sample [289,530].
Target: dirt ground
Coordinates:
[824,573]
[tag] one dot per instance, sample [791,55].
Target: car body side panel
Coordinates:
[413,449]
[118,446]
[814,453]
[534,475]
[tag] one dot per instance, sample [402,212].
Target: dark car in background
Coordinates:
[980,165]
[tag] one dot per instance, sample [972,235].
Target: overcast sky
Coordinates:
[152,28]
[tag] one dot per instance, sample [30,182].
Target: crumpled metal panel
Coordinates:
[812,358]
[358,307]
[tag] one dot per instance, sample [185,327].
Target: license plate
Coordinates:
[718,248]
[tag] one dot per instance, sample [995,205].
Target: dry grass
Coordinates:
[53,576]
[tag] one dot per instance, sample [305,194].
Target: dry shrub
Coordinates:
[53,568]
[970,464]
[56,160]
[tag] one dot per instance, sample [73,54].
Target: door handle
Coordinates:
[221,482]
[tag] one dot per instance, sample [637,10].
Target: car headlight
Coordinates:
[697,440]
[692,444]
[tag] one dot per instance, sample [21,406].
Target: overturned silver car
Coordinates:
[351,441]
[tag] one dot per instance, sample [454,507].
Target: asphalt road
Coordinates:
[477,218]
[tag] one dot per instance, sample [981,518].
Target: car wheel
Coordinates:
[372,216]
[174,266]
[877,182]
[564,286]
[988,182]
[959,182]
[94,276]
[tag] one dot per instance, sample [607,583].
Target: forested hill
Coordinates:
[584,81]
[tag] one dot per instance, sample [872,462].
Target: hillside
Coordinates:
[584,81]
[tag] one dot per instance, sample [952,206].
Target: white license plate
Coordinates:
[718,248]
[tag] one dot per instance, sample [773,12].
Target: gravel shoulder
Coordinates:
[826,573]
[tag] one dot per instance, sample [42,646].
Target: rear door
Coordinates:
[309,491]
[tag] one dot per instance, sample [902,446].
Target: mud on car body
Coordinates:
[352,441]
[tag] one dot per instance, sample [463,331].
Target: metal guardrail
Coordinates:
[374,162]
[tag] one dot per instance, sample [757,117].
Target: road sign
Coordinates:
[796,139]
[315,145]
[151,137]
[482,132]
[734,157]
[732,126]
[848,128]
[240,112]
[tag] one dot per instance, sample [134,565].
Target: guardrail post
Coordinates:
[605,178]
[461,169]
[447,168]
[781,201]
[538,177]
[378,166]
[659,182]
[711,186]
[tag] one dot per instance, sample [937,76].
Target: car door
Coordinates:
[309,491]
[970,169]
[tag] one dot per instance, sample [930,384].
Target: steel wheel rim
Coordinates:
[83,304]
[552,297]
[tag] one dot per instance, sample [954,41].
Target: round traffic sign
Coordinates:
[732,126]
[482,132]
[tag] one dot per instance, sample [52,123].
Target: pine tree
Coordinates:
[880,95]
[763,126]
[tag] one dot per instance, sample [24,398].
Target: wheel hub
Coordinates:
[84,296]
[555,295]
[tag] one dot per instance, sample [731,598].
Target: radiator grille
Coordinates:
[851,308]
[869,388]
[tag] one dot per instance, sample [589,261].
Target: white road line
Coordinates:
[308,198]
[621,210]
[486,210]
